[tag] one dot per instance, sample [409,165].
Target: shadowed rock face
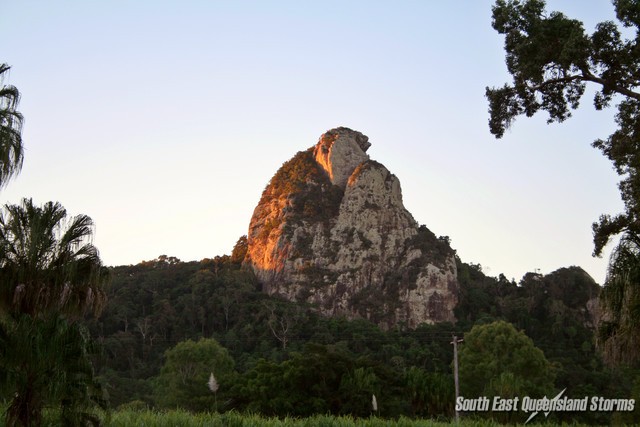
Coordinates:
[331,229]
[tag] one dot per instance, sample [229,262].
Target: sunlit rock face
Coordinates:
[331,230]
[339,152]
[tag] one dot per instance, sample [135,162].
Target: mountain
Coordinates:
[331,230]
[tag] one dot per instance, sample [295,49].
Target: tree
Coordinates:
[11,151]
[430,393]
[321,379]
[44,361]
[184,378]
[50,275]
[496,359]
[240,250]
[310,382]
[359,385]
[552,59]
[618,334]
[281,325]
[48,263]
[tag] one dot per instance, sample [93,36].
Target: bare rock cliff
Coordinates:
[331,230]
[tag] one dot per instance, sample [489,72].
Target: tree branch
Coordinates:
[554,81]
[619,89]
[588,77]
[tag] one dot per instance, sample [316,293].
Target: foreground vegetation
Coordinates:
[178,418]
[232,419]
[165,308]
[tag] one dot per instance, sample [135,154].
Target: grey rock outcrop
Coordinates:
[331,229]
[340,152]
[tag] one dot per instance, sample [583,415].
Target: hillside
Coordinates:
[157,304]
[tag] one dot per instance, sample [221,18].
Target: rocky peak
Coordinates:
[331,230]
[339,152]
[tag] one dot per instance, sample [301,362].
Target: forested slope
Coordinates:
[289,360]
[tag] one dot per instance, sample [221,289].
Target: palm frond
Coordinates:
[48,262]
[11,121]
[48,360]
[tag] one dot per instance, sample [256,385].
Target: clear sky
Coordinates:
[164,121]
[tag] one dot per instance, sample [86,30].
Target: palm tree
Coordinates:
[47,262]
[619,328]
[50,275]
[11,151]
[44,362]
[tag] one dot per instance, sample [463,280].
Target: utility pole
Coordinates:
[455,371]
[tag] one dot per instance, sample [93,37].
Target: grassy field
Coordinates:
[178,418]
[234,419]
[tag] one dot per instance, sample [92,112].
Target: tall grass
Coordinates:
[177,418]
[180,418]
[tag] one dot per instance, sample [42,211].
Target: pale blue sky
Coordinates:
[164,121]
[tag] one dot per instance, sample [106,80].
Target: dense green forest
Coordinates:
[279,358]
